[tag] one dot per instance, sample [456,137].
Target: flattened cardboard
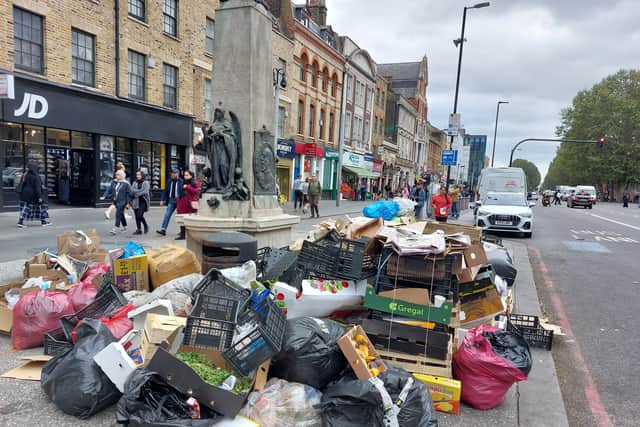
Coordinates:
[358,364]
[474,232]
[412,295]
[487,306]
[31,371]
[474,256]
[6,314]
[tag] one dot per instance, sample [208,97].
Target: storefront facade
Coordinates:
[357,171]
[284,177]
[76,137]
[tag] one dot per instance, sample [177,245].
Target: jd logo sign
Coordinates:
[35,106]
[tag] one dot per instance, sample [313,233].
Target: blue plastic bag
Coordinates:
[385,209]
[132,249]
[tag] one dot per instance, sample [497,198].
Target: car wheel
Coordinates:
[528,235]
[591,207]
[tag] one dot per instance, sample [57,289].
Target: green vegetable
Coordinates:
[213,375]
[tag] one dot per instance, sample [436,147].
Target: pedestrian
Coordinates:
[315,191]
[187,199]
[387,189]
[441,205]
[169,198]
[455,200]
[420,197]
[112,207]
[119,192]
[140,201]
[33,204]
[556,198]
[625,200]
[363,191]
[405,192]
[305,195]
[297,193]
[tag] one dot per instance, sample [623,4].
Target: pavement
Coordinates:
[536,402]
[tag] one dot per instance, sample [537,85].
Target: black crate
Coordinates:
[344,260]
[56,343]
[529,327]
[107,300]
[211,322]
[214,283]
[263,342]
[414,340]
[275,263]
[446,288]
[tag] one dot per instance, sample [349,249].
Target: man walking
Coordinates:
[315,190]
[172,191]
[420,198]
[455,199]
[297,193]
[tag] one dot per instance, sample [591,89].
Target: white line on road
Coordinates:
[616,222]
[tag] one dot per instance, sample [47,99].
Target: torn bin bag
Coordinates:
[310,353]
[486,377]
[351,402]
[73,381]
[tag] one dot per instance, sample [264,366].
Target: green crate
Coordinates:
[440,314]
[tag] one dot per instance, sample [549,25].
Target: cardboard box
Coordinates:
[407,307]
[445,392]
[38,266]
[159,306]
[357,362]
[158,330]
[79,242]
[170,262]
[472,260]
[187,381]
[99,256]
[32,370]
[131,273]
[6,314]
[483,307]
[474,232]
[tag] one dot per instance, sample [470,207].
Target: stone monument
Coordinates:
[239,192]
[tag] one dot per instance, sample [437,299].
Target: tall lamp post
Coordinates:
[495,130]
[460,43]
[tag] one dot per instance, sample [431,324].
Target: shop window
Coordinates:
[137,62]
[208,113]
[13,154]
[142,157]
[83,57]
[136,9]
[175,159]
[170,86]
[157,176]
[107,162]
[82,140]
[209,35]
[34,148]
[27,41]
[58,137]
[170,17]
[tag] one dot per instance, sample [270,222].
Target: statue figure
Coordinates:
[264,163]
[223,145]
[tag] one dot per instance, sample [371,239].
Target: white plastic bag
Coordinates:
[406,206]
[242,275]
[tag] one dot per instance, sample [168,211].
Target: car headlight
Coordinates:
[527,214]
[483,213]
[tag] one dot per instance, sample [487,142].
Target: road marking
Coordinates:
[586,247]
[616,222]
[600,414]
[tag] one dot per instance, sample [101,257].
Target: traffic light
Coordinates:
[601,141]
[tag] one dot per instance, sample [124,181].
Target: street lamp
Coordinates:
[460,44]
[495,130]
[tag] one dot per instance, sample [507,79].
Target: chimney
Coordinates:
[317,11]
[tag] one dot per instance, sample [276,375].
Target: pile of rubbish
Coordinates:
[365,322]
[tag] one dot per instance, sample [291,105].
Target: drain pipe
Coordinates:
[117,45]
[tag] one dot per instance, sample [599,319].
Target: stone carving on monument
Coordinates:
[223,145]
[264,163]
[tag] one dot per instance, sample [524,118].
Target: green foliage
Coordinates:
[531,172]
[212,374]
[610,108]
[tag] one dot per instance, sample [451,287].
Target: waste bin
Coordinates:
[226,249]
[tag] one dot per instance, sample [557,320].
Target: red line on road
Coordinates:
[600,414]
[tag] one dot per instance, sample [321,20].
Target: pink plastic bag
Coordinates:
[486,377]
[81,294]
[35,314]
[93,271]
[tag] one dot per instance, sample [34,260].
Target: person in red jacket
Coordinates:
[441,205]
[187,199]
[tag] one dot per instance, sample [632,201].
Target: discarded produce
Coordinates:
[214,375]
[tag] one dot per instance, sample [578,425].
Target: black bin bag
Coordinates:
[73,381]
[149,401]
[310,353]
[513,347]
[350,402]
[498,256]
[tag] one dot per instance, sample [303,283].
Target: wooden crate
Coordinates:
[420,364]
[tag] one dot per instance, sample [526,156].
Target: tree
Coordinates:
[531,172]
[610,108]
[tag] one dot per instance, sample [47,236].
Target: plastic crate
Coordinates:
[211,322]
[263,342]
[529,327]
[344,260]
[214,283]
[107,300]
[56,343]
[274,263]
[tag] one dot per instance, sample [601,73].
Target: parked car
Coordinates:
[581,197]
[509,212]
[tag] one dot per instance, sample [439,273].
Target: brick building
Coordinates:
[384,149]
[400,126]
[95,92]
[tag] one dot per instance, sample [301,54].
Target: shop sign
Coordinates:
[368,157]
[377,166]
[352,159]
[310,150]
[331,154]
[286,149]
[307,164]
[197,159]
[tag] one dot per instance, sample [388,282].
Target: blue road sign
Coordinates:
[449,158]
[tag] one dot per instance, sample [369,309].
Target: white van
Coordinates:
[501,180]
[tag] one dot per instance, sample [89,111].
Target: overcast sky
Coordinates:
[536,54]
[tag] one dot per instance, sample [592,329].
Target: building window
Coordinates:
[325,80]
[83,58]
[170,17]
[312,123]
[333,84]
[169,86]
[303,68]
[321,125]
[136,9]
[347,126]
[282,114]
[27,41]
[349,88]
[137,75]
[331,126]
[300,117]
[314,74]
[207,101]
[209,35]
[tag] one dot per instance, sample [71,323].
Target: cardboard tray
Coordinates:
[357,363]
[185,380]
[474,232]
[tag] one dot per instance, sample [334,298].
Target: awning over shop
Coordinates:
[363,173]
